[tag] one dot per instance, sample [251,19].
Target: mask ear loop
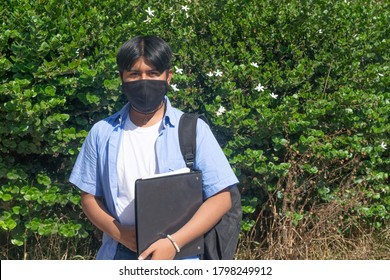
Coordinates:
[164,103]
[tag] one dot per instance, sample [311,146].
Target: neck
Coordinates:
[145,120]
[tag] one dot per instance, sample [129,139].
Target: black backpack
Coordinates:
[221,241]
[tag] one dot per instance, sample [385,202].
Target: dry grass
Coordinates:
[334,247]
[51,247]
[310,245]
[323,236]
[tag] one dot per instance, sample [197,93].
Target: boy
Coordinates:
[140,140]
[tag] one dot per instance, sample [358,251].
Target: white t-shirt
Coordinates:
[136,159]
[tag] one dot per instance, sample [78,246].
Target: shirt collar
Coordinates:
[169,120]
[120,117]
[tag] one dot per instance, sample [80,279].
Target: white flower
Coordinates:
[259,87]
[185,8]
[179,70]
[150,12]
[148,20]
[254,64]
[380,75]
[273,95]
[349,110]
[210,74]
[218,73]
[383,145]
[221,110]
[174,87]
[320,31]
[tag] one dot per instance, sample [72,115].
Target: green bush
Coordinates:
[296,92]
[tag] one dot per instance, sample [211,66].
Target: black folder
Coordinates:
[163,205]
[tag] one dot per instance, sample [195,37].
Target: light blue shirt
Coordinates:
[95,170]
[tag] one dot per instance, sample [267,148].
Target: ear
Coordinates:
[169,76]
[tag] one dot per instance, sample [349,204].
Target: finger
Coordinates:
[145,254]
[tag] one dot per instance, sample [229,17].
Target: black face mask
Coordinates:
[145,96]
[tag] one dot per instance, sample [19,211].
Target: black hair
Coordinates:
[153,49]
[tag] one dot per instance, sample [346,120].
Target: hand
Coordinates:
[162,249]
[97,213]
[128,237]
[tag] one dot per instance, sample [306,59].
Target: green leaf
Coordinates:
[50,91]
[17,242]
[16,209]
[43,180]
[6,196]
[13,175]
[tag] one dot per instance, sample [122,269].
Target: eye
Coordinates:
[154,73]
[133,74]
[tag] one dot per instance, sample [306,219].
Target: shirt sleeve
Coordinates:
[217,173]
[85,171]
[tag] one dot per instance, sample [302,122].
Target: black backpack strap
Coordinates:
[221,241]
[187,138]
